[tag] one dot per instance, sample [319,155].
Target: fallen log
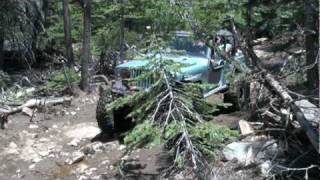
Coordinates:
[36,103]
[278,88]
[307,114]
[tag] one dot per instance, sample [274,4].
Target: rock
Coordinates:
[74,142]
[83,131]
[126,157]
[90,171]
[33,126]
[55,126]
[83,177]
[34,136]
[241,151]
[249,152]
[44,140]
[96,177]
[122,147]
[44,153]
[93,148]
[64,154]
[32,166]
[13,145]
[265,168]
[88,150]
[105,162]
[245,127]
[36,159]
[76,157]
[81,168]
[51,156]
[27,111]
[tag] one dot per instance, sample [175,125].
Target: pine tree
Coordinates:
[175,114]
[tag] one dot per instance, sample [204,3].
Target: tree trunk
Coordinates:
[122,55]
[1,52]
[86,46]
[319,55]
[249,37]
[67,33]
[311,40]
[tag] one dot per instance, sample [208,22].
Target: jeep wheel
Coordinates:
[112,123]
[238,94]
[105,120]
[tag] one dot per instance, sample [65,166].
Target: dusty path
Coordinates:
[47,147]
[57,145]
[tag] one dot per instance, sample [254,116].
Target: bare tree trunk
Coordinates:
[311,40]
[67,32]
[249,34]
[122,55]
[86,46]
[319,54]
[1,51]
[249,19]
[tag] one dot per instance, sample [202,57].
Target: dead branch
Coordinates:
[307,114]
[100,78]
[36,103]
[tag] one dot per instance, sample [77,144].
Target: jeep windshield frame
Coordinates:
[184,42]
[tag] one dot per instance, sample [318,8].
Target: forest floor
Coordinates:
[57,145]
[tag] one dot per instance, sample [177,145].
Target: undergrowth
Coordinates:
[61,81]
[4,80]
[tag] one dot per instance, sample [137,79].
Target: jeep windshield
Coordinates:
[187,45]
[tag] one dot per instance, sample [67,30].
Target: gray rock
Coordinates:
[250,152]
[265,168]
[76,157]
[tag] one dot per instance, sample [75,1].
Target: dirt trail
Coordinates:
[46,147]
[57,145]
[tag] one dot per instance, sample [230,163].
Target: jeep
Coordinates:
[200,68]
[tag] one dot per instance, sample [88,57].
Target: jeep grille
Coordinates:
[143,84]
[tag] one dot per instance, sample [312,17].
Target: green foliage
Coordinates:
[210,137]
[144,134]
[5,80]
[62,80]
[53,36]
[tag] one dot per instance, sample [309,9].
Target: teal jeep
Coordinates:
[200,68]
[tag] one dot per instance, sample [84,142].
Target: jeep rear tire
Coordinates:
[238,94]
[112,123]
[105,119]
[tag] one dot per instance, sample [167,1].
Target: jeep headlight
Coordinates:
[124,73]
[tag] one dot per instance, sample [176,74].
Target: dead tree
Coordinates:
[67,32]
[311,40]
[84,84]
[307,114]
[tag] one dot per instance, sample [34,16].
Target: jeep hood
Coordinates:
[195,65]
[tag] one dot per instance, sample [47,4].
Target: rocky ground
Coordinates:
[57,145]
